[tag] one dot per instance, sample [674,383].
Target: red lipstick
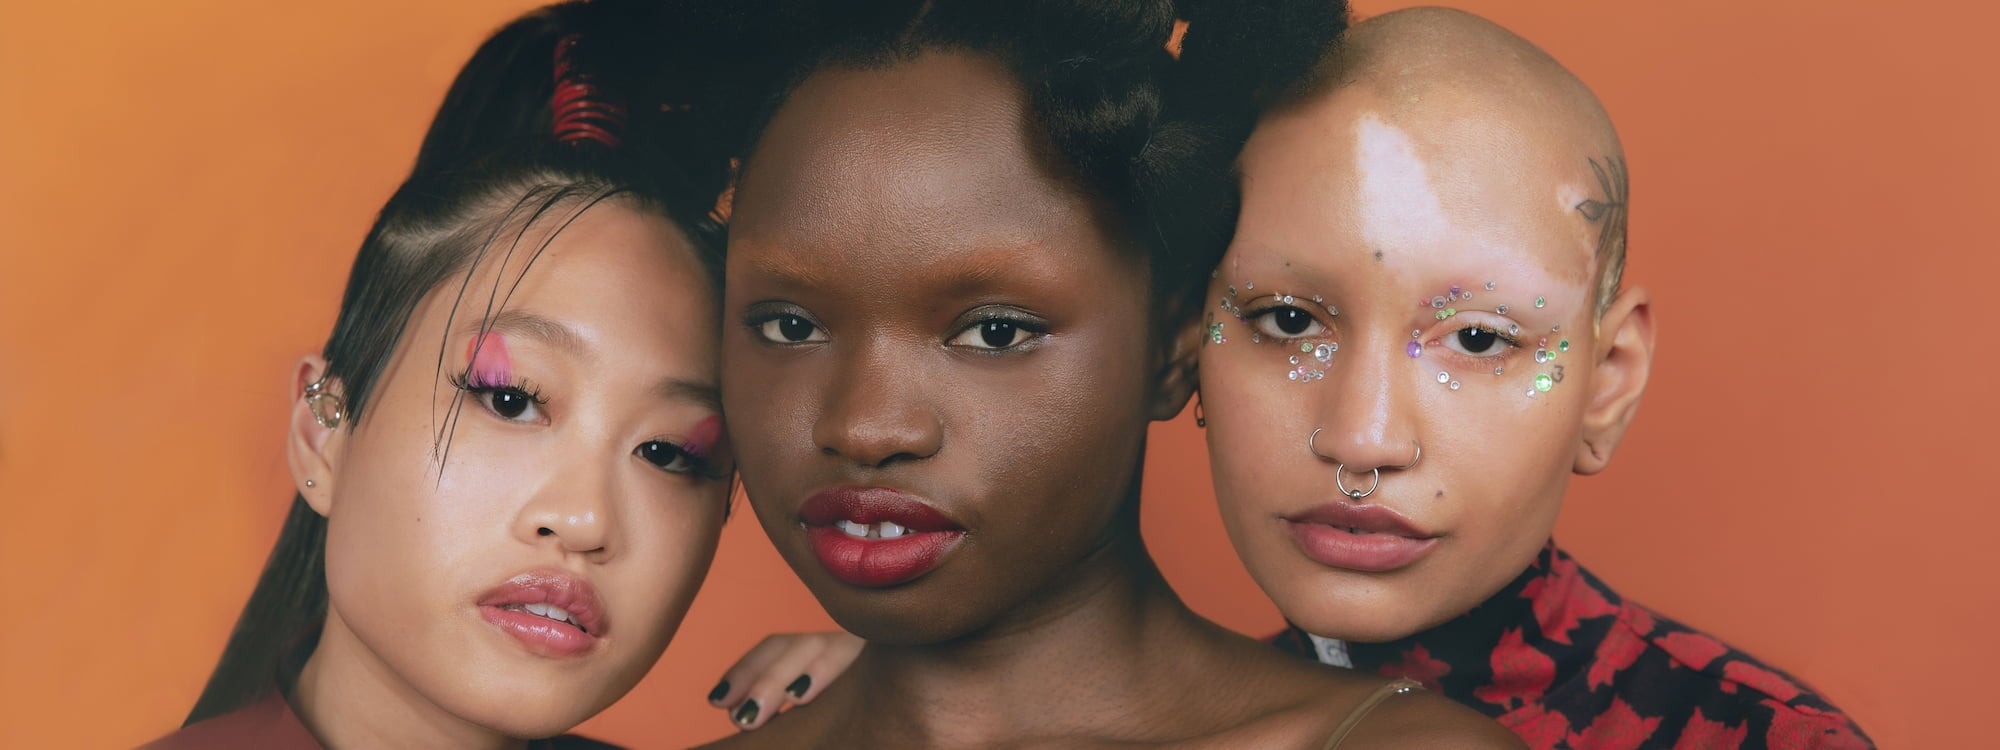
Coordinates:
[550,612]
[1367,537]
[876,537]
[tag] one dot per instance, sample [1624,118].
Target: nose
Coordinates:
[572,510]
[1367,419]
[877,410]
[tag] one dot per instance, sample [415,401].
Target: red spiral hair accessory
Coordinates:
[582,110]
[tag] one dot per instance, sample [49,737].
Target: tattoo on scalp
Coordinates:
[1611,210]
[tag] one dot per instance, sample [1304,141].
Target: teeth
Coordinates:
[544,610]
[558,613]
[883,530]
[1358,531]
[537,609]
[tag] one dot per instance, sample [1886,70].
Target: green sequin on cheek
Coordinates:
[1544,382]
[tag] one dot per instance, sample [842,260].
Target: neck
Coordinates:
[347,696]
[1075,661]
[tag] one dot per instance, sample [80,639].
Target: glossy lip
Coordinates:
[877,563]
[1393,542]
[540,635]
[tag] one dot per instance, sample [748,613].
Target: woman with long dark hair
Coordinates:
[511,467]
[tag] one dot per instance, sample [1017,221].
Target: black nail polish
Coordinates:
[748,713]
[799,686]
[721,689]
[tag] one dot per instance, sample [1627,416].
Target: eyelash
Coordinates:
[698,465]
[1250,318]
[520,387]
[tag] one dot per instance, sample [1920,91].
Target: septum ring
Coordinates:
[1340,469]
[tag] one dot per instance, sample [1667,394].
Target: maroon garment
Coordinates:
[1564,662]
[269,724]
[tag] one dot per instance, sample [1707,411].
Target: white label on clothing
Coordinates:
[1331,651]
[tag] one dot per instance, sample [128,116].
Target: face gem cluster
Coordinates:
[1311,361]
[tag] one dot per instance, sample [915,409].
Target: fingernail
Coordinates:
[748,713]
[721,689]
[799,686]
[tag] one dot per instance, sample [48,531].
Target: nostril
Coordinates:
[545,531]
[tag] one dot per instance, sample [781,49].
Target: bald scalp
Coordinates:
[1442,71]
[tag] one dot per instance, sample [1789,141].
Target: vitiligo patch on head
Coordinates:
[487,363]
[1400,209]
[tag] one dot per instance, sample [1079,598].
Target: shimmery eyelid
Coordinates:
[488,362]
[704,436]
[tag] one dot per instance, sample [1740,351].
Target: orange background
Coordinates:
[182,189]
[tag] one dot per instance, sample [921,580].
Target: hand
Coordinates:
[784,668]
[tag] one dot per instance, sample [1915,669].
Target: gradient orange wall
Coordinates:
[182,190]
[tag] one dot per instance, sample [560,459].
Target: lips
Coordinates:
[1364,537]
[549,612]
[876,537]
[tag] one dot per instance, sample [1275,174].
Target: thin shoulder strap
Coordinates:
[1399,686]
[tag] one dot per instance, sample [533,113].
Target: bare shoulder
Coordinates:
[1420,719]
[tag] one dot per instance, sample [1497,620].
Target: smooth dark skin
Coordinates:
[896,208]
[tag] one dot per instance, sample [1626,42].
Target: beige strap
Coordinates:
[1397,687]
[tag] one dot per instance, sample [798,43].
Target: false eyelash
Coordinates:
[522,386]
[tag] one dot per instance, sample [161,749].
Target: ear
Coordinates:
[1624,361]
[1175,381]
[311,448]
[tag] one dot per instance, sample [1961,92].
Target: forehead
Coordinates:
[628,281]
[1468,184]
[928,149]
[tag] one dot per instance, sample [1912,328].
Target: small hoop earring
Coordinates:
[1199,420]
[317,399]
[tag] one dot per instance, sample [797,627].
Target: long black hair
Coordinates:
[647,114]
[1151,136]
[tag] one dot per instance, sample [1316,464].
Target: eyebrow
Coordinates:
[545,330]
[682,389]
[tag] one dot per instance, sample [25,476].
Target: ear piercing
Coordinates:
[326,407]
[309,483]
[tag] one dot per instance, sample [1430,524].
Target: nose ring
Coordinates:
[1356,494]
[1341,468]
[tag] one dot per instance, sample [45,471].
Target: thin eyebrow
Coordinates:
[682,389]
[546,330]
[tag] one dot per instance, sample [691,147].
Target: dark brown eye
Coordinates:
[790,329]
[667,456]
[1288,322]
[509,404]
[1477,340]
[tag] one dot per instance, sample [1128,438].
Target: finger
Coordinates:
[769,691]
[729,693]
[839,653]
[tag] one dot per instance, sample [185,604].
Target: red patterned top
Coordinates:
[1564,662]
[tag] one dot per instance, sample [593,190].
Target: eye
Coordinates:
[993,334]
[1287,322]
[669,457]
[511,404]
[1477,341]
[790,329]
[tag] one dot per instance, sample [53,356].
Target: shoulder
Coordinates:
[1649,658]
[1421,719]
[267,724]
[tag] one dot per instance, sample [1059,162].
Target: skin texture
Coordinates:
[1441,151]
[626,354]
[893,210]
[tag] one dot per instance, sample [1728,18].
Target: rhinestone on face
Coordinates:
[1249,285]
[1441,315]
[1450,311]
[1293,375]
[1513,330]
[1467,295]
[1498,370]
[1437,302]
[1295,359]
[1232,290]
[1287,299]
[1501,309]
[1332,310]
[1454,385]
[1323,353]
[1305,347]
[1557,328]
[1444,377]
[1256,338]
[1416,334]
[1455,291]
[1541,355]
[1316,298]
[1543,382]
[1563,345]
[1489,286]
[1215,332]
[1541,302]
[1415,350]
